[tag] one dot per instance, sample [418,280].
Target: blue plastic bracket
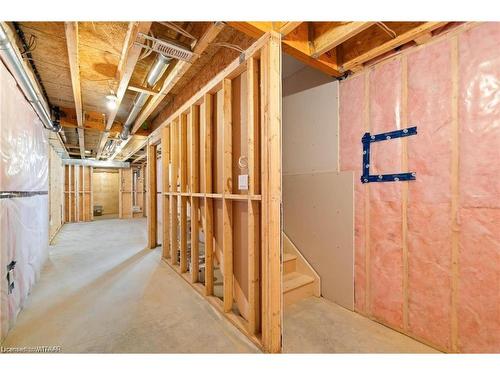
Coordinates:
[367,140]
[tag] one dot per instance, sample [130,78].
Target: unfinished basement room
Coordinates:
[229,186]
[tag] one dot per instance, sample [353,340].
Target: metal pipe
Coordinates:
[157,70]
[97,163]
[15,63]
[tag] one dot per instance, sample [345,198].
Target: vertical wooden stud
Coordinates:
[227,206]
[165,161]
[174,152]
[252,76]
[152,207]
[194,180]
[183,188]
[271,193]
[207,124]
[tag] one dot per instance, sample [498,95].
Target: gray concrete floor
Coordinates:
[315,325]
[101,292]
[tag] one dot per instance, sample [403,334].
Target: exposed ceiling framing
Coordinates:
[80,63]
[128,60]
[339,47]
[71,29]
[177,72]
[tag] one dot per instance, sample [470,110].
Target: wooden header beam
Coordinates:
[71,29]
[295,43]
[404,38]
[128,60]
[332,36]
[92,121]
[180,68]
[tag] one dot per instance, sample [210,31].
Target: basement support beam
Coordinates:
[71,29]
[128,60]
[180,68]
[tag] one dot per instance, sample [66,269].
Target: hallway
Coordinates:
[100,292]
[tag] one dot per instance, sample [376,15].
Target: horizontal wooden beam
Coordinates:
[296,43]
[180,68]
[390,45]
[142,89]
[287,27]
[335,34]
[92,121]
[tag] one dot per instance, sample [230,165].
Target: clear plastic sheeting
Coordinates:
[23,142]
[406,240]
[23,239]
[23,219]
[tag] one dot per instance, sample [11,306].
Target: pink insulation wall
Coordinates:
[427,252]
[23,198]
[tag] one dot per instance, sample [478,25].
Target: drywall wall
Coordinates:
[24,209]
[317,199]
[106,185]
[56,193]
[427,251]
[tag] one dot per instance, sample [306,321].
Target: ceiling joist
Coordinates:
[128,60]
[71,30]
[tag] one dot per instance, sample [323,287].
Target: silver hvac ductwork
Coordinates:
[8,53]
[160,65]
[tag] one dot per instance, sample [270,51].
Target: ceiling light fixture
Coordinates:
[111,101]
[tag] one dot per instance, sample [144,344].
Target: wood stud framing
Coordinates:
[78,195]
[190,196]
[151,201]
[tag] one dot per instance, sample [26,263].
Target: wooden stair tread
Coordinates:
[295,280]
[289,257]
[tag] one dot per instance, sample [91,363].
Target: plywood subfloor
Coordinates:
[315,325]
[101,292]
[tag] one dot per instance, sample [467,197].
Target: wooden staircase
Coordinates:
[299,278]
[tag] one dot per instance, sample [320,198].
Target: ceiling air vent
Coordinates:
[167,48]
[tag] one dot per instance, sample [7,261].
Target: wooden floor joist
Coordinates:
[128,60]
[71,29]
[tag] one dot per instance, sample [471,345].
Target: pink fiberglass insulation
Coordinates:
[429,214]
[359,246]
[351,125]
[386,265]
[429,199]
[351,122]
[385,115]
[479,116]
[479,236]
[479,281]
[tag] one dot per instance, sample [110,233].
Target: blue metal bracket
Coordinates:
[367,140]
